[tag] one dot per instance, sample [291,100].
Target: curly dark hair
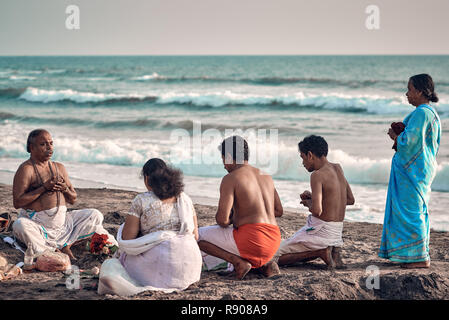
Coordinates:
[315,144]
[166,181]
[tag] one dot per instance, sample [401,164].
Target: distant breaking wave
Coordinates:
[11,92]
[271,80]
[130,124]
[46,96]
[107,74]
[349,83]
[146,77]
[215,99]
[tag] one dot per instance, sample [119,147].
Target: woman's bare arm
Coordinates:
[131,228]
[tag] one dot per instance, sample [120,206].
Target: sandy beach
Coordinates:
[303,281]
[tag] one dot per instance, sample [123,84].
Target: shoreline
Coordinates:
[197,200]
[85,184]
[302,281]
[369,205]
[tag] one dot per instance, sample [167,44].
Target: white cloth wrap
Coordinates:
[315,235]
[55,228]
[170,261]
[148,241]
[323,234]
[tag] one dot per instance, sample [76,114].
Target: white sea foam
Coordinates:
[101,79]
[362,170]
[5,73]
[146,77]
[134,152]
[41,95]
[55,71]
[30,71]
[331,101]
[22,77]
[369,206]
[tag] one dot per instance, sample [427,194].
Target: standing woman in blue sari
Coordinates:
[405,235]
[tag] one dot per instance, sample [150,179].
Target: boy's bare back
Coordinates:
[330,184]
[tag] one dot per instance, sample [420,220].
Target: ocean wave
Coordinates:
[350,83]
[327,101]
[373,104]
[399,84]
[155,124]
[18,78]
[101,79]
[54,71]
[46,96]
[64,121]
[7,116]
[358,170]
[319,81]
[272,80]
[274,157]
[11,92]
[146,77]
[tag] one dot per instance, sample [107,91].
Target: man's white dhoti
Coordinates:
[222,238]
[315,235]
[56,228]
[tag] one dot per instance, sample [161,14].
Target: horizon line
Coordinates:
[223,55]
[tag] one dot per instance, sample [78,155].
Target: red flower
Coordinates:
[97,242]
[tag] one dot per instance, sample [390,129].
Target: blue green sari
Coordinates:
[405,235]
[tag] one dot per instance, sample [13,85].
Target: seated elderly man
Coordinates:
[41,189]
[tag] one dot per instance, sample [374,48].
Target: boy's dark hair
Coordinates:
[32,137]
[237,147]
[315,144]
[165,181]
[424,83]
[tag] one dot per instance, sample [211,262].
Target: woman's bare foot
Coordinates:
[415,265]
[336,256]
[326,256]
[270,269]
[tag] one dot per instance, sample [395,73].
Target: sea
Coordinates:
[109,114]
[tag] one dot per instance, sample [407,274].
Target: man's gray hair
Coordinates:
[32,137]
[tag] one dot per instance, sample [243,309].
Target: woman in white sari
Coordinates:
[158,241]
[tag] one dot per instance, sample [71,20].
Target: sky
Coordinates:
[226,27]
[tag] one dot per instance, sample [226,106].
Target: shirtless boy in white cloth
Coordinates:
[41,189]
[321,237]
